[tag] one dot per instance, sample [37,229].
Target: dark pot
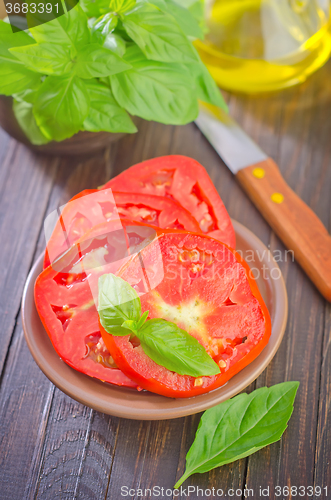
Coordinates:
[81,143]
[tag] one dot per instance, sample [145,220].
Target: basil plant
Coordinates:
[102,62]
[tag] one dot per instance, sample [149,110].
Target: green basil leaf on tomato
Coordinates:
[239,427]
[118,302]
[171,347]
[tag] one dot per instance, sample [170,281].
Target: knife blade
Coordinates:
[292,220]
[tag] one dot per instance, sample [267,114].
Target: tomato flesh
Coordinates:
[65,297]
[184,180]
[202,286]
[92,207]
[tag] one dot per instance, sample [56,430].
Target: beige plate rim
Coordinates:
[129,403]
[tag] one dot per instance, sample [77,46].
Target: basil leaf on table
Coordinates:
[239,427]
[46,58]
[26,120]
[61,106]
[70,29]
[95,61]
[118,302]
[157,35]
[155,91]
[104,113]
[175,349]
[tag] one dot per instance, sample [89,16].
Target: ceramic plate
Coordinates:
[129,403]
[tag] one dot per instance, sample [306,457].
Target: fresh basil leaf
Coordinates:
[118,302]
[130,325]
[171,347]
[14,76]
[24,116]
[8,39]
[68,29]
[158,35]
[105,114]
[207,89]
[94,8]
[186,21]
[155,91]
[115,43]
[239,427]
[104,25]
[142,320]
[121,6]
[46,58]
[95,61]
[62,104]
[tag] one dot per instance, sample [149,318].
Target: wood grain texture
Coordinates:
[54,448]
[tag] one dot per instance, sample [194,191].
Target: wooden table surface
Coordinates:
[52,447]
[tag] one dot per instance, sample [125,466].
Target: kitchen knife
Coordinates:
[292,220]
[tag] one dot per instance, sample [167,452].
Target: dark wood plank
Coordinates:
[26,184]
[299,357]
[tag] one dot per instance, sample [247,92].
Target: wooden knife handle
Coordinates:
[292,220]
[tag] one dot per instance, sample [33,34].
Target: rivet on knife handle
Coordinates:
[292,220]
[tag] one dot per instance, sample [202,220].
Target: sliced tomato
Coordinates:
[205,288]
[182,179]
[91,207]
[65,296]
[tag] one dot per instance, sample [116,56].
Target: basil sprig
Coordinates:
[164,342]
[139,53]
[239,427]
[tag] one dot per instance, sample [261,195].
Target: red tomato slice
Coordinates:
[207,291]
[66,304]
[91,207]
[186,181]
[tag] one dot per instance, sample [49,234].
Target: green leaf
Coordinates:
[186,21]
[24,116]
[46,58]
[95,61]
[105,114]
[118,302]
[207,89]
[155,91]
[103,26]
[239,427]
[175,349]
[115,43]
[158,35]
[62,104]
[94,8]
[142,320]
[14,76]
[69,29]
[121,6]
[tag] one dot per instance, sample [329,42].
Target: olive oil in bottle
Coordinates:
[263,45]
